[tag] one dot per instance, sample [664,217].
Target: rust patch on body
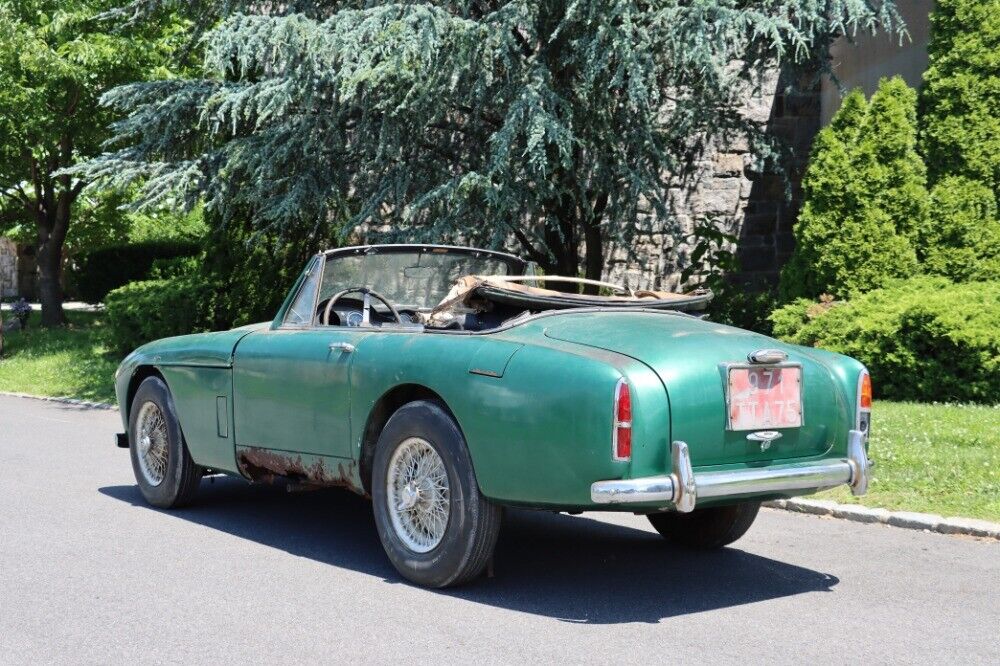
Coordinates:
[269,466]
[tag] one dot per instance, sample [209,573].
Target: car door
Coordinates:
[291,383]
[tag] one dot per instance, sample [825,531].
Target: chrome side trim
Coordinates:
[683,488]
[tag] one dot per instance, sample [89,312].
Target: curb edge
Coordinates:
[90,404]
[928,522]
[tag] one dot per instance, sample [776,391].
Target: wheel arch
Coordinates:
[142,373]
[383,409]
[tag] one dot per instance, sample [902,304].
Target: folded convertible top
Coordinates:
[507,291]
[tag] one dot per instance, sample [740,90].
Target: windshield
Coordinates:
[415,279]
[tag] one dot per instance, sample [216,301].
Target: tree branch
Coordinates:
[522,238]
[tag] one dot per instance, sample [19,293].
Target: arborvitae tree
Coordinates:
[865,198]
[960,100]
[961,239]
[548,124]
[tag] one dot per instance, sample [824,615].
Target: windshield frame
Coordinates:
[515,264]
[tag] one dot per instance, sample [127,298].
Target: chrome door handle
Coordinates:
[342,347]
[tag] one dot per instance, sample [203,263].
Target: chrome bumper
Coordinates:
[684,487]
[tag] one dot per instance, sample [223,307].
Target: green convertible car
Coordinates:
[446,383]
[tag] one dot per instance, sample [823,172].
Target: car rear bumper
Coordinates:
[684,488]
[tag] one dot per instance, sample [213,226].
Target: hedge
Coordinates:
[98,272]
[151,309]
[922,339]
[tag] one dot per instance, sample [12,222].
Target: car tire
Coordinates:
[167,475]
[706,529]
[456,548]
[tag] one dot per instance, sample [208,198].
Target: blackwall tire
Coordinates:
[706,529]
[167,481]
[438,556]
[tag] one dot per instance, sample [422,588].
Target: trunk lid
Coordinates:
[689,356]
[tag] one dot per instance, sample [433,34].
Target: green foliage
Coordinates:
[251,273]
[151,309]
[960,100]
[961,240]
[865,198]
[98,272]
[745,306]
[167,225]
[922,339]
[546,124]
[56,60]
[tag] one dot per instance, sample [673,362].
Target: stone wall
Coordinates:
[757,209]
[8,268]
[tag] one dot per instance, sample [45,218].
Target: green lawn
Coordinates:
[928,457]
[70,361]
[933,458]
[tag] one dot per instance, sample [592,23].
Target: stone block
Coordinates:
[914,521]
[729,164]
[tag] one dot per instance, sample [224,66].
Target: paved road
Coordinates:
[89,574]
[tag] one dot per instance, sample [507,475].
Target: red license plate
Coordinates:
[765,398]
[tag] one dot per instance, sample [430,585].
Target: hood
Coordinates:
[689,356]
[200,349]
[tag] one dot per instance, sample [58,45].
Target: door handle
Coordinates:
[342,347]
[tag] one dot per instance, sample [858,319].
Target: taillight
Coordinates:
[621,444]
[865,391]
[864,402]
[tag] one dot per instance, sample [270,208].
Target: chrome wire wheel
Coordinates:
[417,495]
[151,443]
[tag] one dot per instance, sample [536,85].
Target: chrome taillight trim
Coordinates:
[616,424]
[858,409]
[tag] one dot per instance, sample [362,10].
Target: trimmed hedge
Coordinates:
[151,309]
[922,339]
[98,272]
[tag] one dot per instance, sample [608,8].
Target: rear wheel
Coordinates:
[436,527]
[706,529]
[164,470]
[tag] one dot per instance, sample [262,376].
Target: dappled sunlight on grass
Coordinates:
[69,361]
[934,458]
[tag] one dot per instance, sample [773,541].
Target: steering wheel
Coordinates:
[368,294]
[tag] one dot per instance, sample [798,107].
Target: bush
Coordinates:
[744,306]
[960,121]
[961,241]
[98,272]
[865,197]
[922,339]
[150,309]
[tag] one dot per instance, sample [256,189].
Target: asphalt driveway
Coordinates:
[90,574]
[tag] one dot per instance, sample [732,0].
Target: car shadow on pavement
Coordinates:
[568,567]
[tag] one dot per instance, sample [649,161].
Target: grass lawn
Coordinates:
[933,458]
[928,457]
[70,361]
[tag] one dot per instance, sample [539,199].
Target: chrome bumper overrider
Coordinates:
[684,487]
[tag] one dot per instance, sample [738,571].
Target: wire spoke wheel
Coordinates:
[151,442]
[418,495]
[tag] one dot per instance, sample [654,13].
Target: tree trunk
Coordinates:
[50,294]
[594,244]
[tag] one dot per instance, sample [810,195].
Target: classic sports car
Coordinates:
[444,383]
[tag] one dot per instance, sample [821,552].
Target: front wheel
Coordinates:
[706,529]
[436,527]
[164,470]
